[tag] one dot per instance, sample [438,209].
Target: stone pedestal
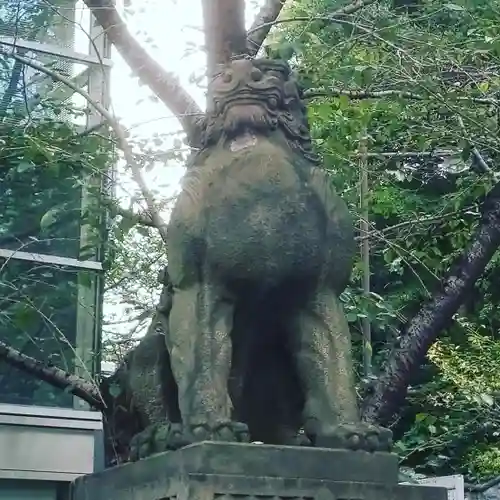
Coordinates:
[209,471]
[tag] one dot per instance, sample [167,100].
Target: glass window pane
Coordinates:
[48,313]
[39,21]
[40,209]
[45,161]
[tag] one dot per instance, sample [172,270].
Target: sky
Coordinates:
[171,29]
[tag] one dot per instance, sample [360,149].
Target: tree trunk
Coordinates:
[422,330]
[225,34]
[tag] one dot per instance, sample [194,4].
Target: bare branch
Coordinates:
[262,24]
[53,376]
[378,233]
[164,84]
[117,129]
[412,154]
[362,94]
[143,219]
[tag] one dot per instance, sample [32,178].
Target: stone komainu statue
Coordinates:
[259,248]
[258,232]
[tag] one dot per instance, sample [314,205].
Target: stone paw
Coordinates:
[170,438]
[235,432]
[166,436]
[142,444]
[157,438]
[358,436]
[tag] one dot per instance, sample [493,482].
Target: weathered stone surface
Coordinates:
[258,230]
[226,471]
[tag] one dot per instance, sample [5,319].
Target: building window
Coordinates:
[49,312]
[52,227]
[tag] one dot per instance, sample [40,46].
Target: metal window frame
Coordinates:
[89,349]
[50,259]
[54,50]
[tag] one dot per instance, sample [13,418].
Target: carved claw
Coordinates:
[223,431]
[171,438]
[157,438]
[143,444]
[359,436]
[162,437]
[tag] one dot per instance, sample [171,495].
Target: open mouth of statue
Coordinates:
[242,116]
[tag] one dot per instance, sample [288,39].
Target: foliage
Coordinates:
[423,206]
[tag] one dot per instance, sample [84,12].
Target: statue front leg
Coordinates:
[199,343]
[322,349]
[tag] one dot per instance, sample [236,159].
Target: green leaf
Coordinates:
[487,399]
[48,219]
[484,86]
[453,6]
[24,166]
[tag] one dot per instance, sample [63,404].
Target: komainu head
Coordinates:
[257,96]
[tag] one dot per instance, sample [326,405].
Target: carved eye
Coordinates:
[273,102]
[227,77]
[256,74]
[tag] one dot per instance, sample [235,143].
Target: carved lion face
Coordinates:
[248,95]
[257,95]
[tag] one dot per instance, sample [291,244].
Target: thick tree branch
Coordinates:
[143,219]
[262,24]
[53,376]
[422,330]
[164,84]
[377,94]
[225,35]
[117,129]
[269,12]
